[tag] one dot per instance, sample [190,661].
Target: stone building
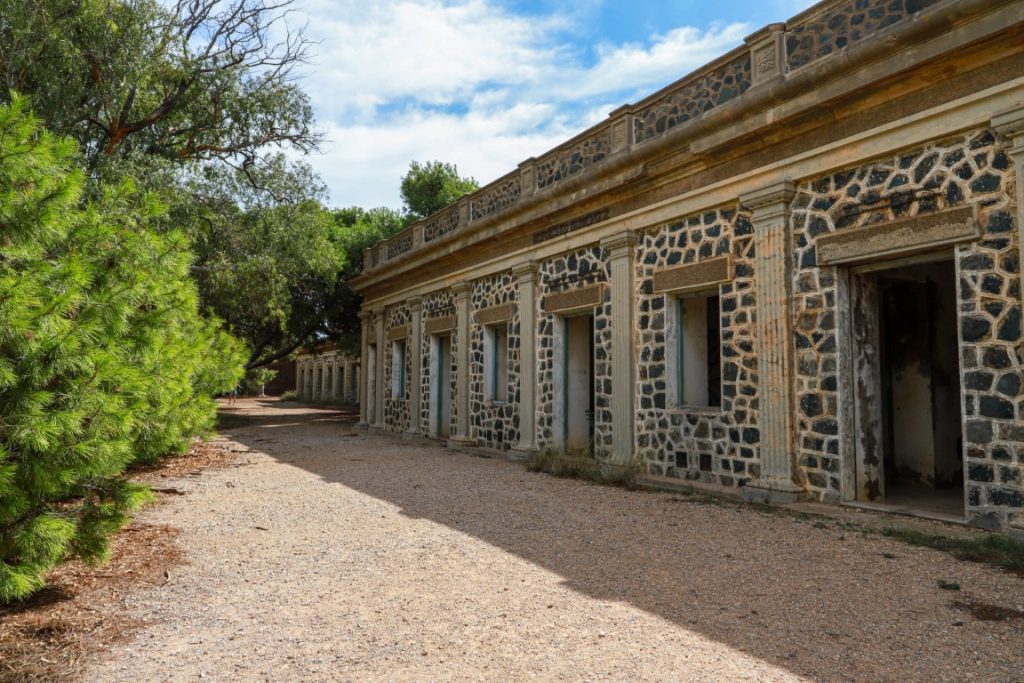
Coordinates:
[327,374]
[794,273]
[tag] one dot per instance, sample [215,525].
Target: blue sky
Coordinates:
[485,84]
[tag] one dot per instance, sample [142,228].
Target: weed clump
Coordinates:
[583,464]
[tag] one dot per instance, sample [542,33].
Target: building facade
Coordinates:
[794,273]
[327,374]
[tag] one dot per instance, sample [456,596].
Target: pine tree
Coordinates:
[104,358]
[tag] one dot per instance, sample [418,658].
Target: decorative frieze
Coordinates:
[560,229]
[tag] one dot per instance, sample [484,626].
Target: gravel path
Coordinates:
[328,556]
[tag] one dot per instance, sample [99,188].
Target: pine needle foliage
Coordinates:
[104,358]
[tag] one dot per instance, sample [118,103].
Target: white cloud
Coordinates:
[467,82]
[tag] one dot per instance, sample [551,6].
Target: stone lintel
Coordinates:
[439,325]
[896,238]
[495,314]
[462,290]
[693,276]
[400,332]
[577,299]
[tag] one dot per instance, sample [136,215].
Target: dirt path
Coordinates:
[328,556]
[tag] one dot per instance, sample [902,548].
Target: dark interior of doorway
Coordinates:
[922,426]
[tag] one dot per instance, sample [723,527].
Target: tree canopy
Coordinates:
[429,187]
[184,80]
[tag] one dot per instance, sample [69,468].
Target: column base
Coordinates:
[362,426]
[773,492]
[521,452]
[461,442]
[412,434]
[1016,528]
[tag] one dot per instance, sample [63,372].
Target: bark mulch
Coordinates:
[83,609]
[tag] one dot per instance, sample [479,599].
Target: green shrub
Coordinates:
[289,396]
[104,359]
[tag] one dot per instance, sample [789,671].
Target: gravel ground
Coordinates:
[326,555]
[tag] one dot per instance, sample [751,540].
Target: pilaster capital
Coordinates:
[619,245]
[1010,124]
[363,314]
[414,303]
[462,290]
[525,272]
[771,201]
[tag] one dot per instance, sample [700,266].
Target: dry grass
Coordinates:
[83,610]
[576,464]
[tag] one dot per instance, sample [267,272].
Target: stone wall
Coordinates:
[396,408]
[714,445]
[494,424]
[971,169]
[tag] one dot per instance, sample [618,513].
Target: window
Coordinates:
[398,369]
[695,378]
[496,362]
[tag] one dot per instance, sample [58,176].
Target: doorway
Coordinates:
[908,418]
[578,383]
[441,391]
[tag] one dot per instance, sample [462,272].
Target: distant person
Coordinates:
[233,396]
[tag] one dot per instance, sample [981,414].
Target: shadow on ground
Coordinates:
[826,603]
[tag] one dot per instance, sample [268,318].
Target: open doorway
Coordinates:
[907,387]
[578,383]
[441,389]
